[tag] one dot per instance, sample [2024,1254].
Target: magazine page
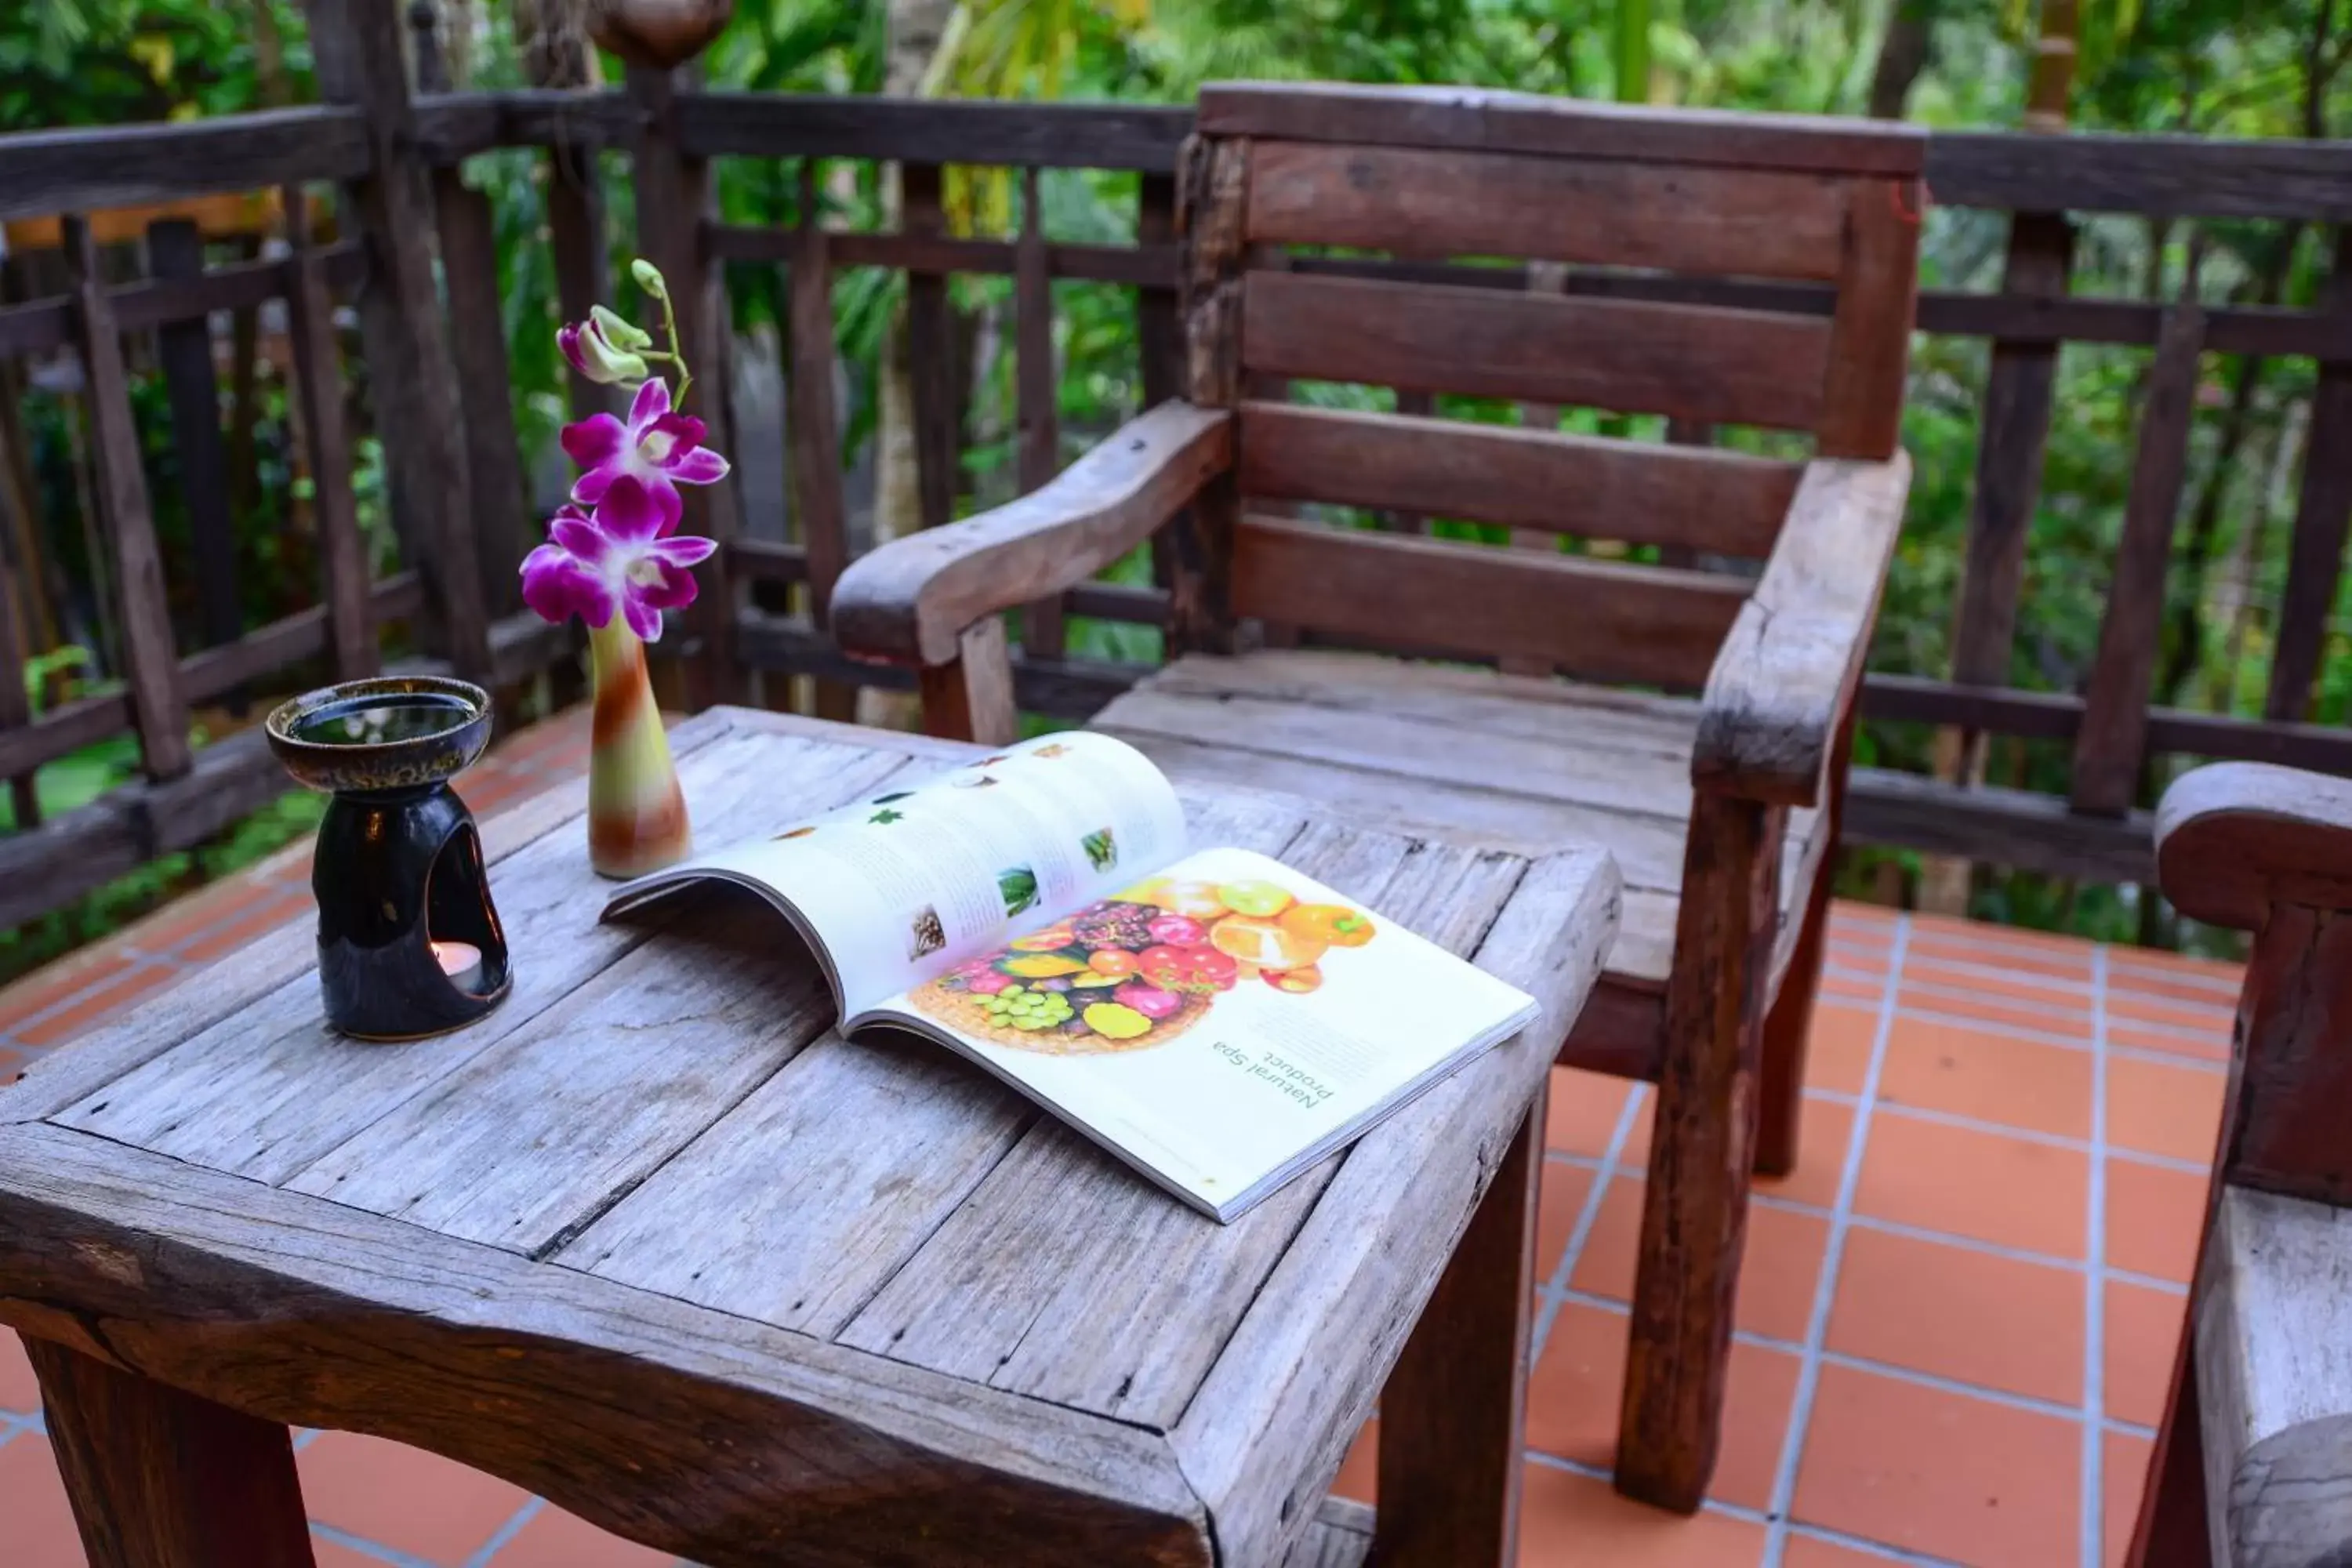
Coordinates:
[1219,1024]
[903,885]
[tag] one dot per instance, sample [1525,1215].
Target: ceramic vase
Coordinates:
[636,816]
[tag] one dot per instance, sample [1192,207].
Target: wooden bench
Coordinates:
[2252,1467]
[1720,809]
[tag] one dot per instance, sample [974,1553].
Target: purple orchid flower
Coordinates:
[620,557]
[658,448]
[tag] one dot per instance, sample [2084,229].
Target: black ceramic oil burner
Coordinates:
[409,942]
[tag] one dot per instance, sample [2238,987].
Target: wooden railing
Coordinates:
[457,488]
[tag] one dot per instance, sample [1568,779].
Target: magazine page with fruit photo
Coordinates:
[1221,1024]
[1213,1018]
[896,887]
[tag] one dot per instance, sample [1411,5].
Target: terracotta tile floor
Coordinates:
[1954,1327]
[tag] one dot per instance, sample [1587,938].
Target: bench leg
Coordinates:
[159,1478]
[1695,1210]
[1454,1415]
[1781,1082]
[2172,1530]
[1781,1094]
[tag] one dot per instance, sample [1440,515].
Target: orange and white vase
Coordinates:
[636,813]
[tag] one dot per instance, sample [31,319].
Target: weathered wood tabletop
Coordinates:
[653,1240]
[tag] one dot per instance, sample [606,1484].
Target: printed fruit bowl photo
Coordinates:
[1139,968]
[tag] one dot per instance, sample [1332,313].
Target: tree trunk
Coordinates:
[2050,85]
[916,27]
[553,35]
[1903,54]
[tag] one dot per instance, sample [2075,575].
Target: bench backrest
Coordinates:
[1428,174]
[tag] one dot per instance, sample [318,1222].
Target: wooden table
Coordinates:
[653,1241]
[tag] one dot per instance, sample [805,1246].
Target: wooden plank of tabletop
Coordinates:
[270,1090]
[530,1142]
[222,991]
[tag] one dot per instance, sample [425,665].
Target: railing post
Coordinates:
[2013,433]
[1216,176]
[2315,556]
[185,350]
[357,46]
[812,431]
[470,271]
[2016,431]
[152,664]
[2110,745]
[1160,333]
[1033,385]
[930,351]
[15,703]
[343,567]
[575,232]
[673,202]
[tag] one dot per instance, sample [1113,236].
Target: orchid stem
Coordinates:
[676,354]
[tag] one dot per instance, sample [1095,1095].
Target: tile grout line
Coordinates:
[1746,1515]
[1973,1124]
[2071,1043]
[375,1551]
[1809,1368]
[2123,977]
[2093,1521]
[1895,1371]
[2186,1060]
[506,1532]
[1863,1546]
[2023,1135]
[1587,1218]
[1915,1232]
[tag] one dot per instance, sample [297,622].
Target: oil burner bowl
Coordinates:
[355,764]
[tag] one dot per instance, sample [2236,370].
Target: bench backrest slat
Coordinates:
[1424,174]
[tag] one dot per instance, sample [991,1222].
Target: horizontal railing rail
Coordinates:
[45,172]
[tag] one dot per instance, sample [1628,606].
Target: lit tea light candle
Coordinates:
[461,961]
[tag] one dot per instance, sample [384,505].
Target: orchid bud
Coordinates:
[618,330]
[649,277]
[587,351]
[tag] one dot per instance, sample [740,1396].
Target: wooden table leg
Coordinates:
[1453,1415]
[160,1479]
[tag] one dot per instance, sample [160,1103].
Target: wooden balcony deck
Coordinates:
[1954,1324]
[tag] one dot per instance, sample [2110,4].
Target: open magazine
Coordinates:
[1217,1020]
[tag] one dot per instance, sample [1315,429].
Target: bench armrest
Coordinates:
[2233,839]
[910,601]
[1768,720]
